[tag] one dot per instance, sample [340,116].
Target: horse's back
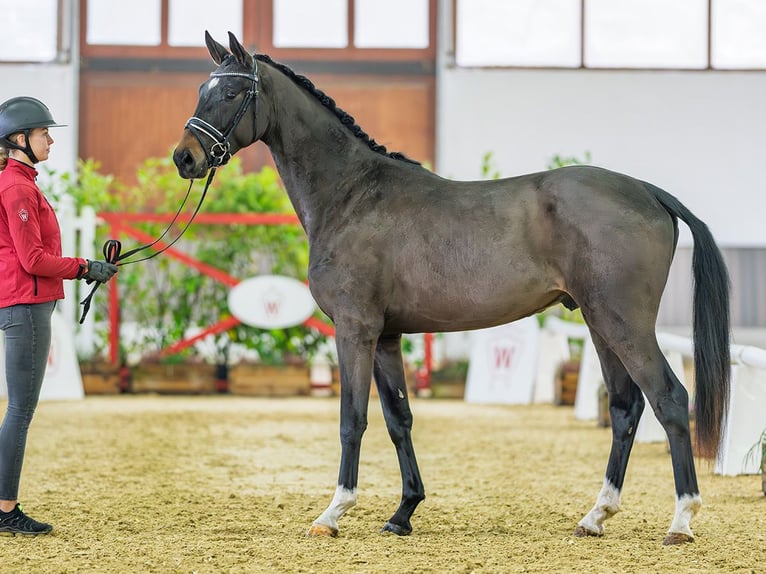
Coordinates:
[564,190]
[558,215]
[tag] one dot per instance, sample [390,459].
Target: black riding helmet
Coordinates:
[20,115]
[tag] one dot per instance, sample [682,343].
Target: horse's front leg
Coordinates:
[392,389]
[355,362]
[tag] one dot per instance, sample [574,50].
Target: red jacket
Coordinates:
[32,269]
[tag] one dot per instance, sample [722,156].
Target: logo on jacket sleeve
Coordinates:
[23,215]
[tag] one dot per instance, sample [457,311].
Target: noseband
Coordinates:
[219,152]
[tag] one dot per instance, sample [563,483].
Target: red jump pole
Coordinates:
[423,376]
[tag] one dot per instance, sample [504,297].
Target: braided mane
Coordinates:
[345,118]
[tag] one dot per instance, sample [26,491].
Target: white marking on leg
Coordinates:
[343,500]
[686,507]
[607,505]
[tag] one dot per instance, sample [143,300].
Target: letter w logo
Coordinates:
[271,307]
[503,357]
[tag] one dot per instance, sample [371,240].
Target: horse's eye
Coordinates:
[231,94]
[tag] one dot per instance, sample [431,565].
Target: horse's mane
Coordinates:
[345,118]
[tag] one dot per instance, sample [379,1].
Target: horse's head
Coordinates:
[225,120]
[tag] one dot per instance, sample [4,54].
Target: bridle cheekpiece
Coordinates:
[219,152]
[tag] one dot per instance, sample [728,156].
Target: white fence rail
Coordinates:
[78,234]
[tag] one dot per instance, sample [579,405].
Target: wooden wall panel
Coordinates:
[127,117]
[397,112]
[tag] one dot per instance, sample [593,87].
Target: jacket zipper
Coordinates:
[35,279]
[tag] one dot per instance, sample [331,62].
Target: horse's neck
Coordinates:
[317,157]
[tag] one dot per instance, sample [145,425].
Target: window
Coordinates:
[30,31]
[738,38]
[646,34]
[139,22]
[134,23]
[682,34]
[295,24]
[389,24]
[525,32]
[397,30]
[188,20]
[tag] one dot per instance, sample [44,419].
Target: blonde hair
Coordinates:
[3,158]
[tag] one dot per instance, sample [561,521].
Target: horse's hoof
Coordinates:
[322,530]
[396,529]
[582,532]
[676,538]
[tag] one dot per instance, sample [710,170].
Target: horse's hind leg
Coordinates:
[634,341]
[670,402]
[626,403]
[392,389]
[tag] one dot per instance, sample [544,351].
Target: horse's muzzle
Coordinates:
[188,167]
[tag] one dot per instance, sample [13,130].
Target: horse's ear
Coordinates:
[239,52]
[217,51]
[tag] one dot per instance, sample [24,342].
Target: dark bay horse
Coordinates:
[397,249]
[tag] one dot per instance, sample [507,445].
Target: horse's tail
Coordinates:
[711,327]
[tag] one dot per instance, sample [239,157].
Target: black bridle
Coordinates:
[218,154]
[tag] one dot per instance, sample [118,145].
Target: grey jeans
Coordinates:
[27,344]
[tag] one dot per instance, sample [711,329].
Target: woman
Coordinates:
[32,271]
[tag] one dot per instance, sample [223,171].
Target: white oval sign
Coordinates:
[271,302]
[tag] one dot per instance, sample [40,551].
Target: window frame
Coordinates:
[707,68]
[257,34]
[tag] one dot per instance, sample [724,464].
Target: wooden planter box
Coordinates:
[180,378]
[448,382]
[565,388]
[448,389]
[101,378]
[269,380]
[444,383]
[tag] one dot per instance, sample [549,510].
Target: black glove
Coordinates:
[100,271]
